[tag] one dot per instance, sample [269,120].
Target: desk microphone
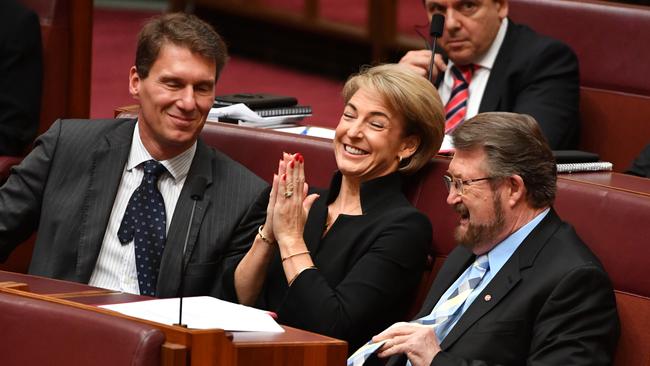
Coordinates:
[435,31]
[197,189]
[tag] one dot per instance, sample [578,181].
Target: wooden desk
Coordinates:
[201,347]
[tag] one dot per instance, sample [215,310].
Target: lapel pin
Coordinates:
[488,297]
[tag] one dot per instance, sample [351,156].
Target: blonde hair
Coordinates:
[411,96]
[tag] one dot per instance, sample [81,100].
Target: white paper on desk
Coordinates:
[201,312]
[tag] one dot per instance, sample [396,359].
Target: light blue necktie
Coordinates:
[442,315]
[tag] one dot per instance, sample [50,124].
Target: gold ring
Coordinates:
[289,186]
[288,194]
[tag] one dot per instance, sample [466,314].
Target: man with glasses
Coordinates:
[521,288]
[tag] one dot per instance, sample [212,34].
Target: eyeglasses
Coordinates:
[459,184]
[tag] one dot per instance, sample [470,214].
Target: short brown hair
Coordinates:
[513,144]
[184,30]
[411,96]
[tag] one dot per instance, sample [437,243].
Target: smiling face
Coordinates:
[369,138]
[481,210]
[470,26]
[175,99]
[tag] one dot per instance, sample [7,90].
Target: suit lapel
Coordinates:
[108,162]
[507,278]
[498,75]
[170,266]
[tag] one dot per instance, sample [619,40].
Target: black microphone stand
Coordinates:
[435,31]
[197,189]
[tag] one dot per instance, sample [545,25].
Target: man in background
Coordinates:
[521,288]
[112,200]
[21,74]
[493,64]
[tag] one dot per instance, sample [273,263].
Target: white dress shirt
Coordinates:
[116,268]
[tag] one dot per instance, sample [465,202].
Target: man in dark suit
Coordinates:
[521,288]
[21,74]
[83,177]
[513,68]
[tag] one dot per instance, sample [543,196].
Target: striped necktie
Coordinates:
[446,312]
[456,107]
[442,315]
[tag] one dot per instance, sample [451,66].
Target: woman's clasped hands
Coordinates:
[289,204]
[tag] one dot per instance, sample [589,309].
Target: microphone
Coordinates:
[197,189]
[435,31]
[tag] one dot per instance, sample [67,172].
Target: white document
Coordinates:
[201,312]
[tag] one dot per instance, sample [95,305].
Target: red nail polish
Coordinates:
[284,177]
[291,164]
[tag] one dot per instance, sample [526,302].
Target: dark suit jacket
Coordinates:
[21,74]
[551,304]
[539,76]
[367,265]
[66,186]
[641,165]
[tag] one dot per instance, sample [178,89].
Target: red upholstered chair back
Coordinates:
[611,41]
[38,332]
[634,344]
[260,150]
[615,224]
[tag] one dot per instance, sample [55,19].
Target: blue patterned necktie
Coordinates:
[144,222]
[442,315]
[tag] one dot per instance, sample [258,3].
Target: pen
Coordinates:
[304,132]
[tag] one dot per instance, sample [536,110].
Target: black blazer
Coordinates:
[536,75]
[66,186]
[551,304]
[367,265]
[21,75]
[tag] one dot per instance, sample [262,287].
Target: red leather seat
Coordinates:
[38,332]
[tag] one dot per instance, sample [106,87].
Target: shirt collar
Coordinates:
[178,166]
[500,254]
